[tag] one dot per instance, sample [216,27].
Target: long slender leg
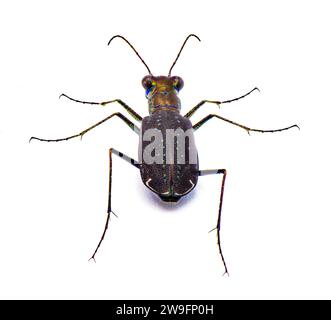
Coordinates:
[207,118]
[194,109]
[118,114]
[109,210]
[218,226]
[134,114]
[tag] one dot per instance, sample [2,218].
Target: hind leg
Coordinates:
[218,225]
[109,211]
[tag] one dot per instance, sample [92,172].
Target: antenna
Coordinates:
[180,51]
[136,52]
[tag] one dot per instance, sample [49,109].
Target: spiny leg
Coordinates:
[118,114]
[218,226]
[207,118]
[194,109]
[109,210]
[134,114]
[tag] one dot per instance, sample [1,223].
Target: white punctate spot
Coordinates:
[180,194]
[147,183]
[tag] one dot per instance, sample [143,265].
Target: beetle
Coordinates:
[168,158]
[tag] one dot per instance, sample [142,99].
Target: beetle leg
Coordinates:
[109,210]
[207,118]
[194,109]
[134,114]
[118,114]
[218,226]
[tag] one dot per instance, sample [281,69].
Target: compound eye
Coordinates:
[147,82]
[178,83]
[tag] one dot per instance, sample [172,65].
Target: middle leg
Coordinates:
[210,116]
[81,134]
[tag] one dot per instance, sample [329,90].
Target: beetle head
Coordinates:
[162,84]
[162,91]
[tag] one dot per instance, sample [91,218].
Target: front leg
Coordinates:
[134,114]
[194,109]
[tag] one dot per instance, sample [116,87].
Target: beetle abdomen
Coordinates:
[168,155]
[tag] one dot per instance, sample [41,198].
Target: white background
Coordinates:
[276,216]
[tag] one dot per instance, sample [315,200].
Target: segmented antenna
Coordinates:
[142,60]
[180,51]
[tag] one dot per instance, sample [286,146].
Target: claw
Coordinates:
[93,259]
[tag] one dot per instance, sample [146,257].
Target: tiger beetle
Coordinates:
[168,159]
